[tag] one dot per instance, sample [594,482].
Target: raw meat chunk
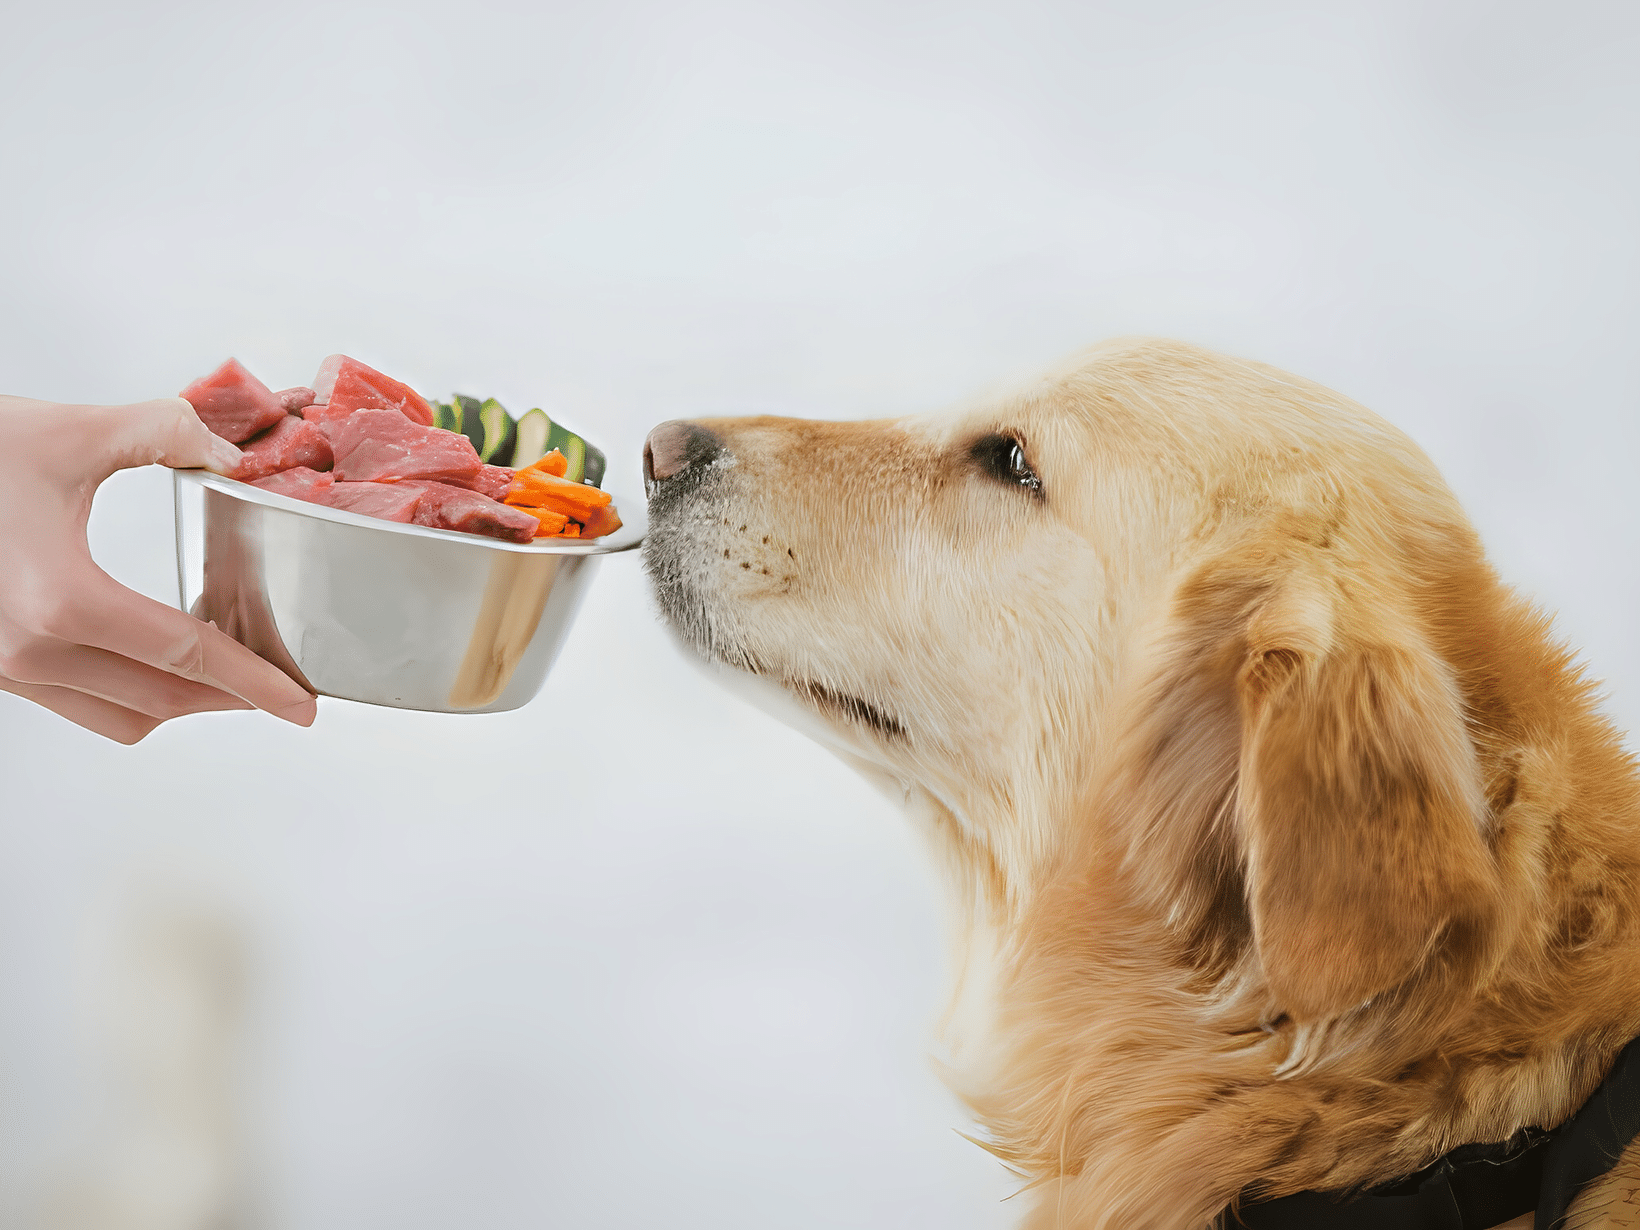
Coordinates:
[383,445]
[299,482]
[294,400]
[492,481]
[233,403]
[455,508]
[344,385]
[319,412]
[388,501]
[289,442]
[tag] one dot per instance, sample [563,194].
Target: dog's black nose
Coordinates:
[675,447]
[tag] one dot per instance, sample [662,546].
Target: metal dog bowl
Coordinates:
[380,612]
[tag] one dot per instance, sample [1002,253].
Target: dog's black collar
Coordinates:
[1480,1186]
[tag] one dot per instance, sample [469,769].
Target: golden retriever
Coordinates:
[1291,850]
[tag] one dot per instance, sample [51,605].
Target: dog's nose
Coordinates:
[675,447]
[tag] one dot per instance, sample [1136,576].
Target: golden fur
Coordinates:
[1290,847]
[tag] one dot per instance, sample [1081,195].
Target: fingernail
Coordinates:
[221,456]
[301,713]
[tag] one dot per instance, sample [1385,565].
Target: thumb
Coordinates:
[166,431]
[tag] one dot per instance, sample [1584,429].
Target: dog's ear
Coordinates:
[1358,800]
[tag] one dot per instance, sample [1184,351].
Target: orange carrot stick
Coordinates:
[554,463]
[601,521]
[551,522]
[534,489]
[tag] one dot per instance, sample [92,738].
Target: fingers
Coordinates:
[132,685]
[114,618]
[95,714]
[166,431]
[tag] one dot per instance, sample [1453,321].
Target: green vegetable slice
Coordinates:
[446,417]
[501,440]
[595,466]
[586,464]
[499,433]
[470,425]
[530,438]
[574,449]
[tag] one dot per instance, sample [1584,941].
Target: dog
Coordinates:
[1290,850]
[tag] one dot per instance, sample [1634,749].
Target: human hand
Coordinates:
[71,637]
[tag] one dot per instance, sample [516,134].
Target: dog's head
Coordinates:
[1186,612]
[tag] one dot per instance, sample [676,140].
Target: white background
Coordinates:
[635,956]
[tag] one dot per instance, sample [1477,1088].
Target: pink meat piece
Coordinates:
[327,425]
[289,442]
[344,385]
[388,501]
[233,403]
[298,482]
[456,508]
[295,400]
[492,481]
[383,446]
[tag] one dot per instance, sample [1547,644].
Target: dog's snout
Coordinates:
[677,446]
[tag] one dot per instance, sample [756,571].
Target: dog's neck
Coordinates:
[1064,1053]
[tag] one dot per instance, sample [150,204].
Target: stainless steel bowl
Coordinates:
[377,611]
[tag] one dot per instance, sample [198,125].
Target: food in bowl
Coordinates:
[360,441]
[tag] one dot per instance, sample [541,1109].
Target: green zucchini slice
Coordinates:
[530,438]
[471,425]
[499,433]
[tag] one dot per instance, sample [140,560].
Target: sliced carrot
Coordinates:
[535,489]
[549,503]
[533,481]
[570,530]
[601,521]
[551,522]
[554,463]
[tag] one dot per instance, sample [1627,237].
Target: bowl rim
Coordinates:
[629,536]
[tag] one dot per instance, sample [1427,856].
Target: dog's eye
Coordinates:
[1003,458]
